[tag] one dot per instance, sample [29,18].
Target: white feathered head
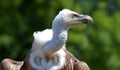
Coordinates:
[67,18]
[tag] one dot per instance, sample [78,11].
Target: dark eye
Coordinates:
[75,15]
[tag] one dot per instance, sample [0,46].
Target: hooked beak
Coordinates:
[86,19]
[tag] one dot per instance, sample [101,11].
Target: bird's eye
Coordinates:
[75,15]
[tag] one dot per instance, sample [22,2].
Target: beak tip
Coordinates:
[89,19]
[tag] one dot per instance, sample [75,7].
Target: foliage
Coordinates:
[97,44]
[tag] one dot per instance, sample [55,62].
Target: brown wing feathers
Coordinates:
[74,64]
[71,64]
[8,64]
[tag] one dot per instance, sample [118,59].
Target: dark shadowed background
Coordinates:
[97,44]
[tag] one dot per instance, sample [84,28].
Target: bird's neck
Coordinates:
[59,30]
[60,34]
[58,40]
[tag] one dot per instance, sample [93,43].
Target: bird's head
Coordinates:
[67,19]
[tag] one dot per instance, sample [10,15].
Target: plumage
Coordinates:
[9,64]
[48,49]
[71,63]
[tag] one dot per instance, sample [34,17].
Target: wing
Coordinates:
[73,63]
[79,65]
[8,64]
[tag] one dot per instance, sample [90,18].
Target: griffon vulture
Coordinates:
[48,49]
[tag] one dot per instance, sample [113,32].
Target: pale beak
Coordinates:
[86,19]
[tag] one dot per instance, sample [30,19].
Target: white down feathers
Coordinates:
[40,39]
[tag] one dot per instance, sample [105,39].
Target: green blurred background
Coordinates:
[97,44]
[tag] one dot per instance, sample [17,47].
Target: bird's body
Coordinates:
[48,49]
[71,63]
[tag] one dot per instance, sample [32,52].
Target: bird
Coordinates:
[48,50]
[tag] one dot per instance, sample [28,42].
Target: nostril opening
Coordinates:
[85,21]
